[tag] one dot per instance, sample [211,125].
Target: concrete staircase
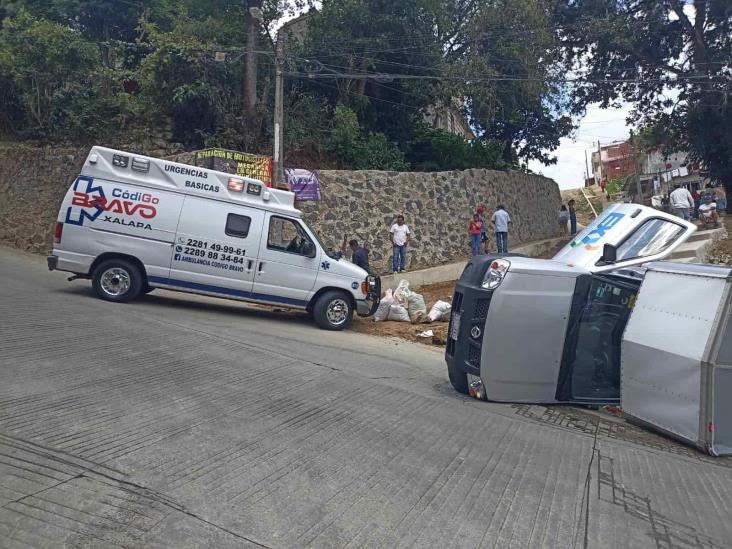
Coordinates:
[698,247]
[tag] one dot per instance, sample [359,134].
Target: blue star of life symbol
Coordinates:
[85,185]
[325,265]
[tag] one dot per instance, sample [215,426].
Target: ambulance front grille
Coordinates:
[474,356]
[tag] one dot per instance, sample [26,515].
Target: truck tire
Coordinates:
[333,311]
[117,280]
[458,380]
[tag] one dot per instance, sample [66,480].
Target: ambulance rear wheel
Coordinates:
[117,280]
[333,311]
[458,380]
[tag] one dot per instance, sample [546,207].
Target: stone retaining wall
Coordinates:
[362,205]
[436,206]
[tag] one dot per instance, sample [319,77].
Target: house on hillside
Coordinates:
[615,160]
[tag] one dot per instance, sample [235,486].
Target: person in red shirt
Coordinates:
[475,229]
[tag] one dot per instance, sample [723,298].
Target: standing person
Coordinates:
[572,217]
[359,255]
[563,218]
[484,230]
[681,202]
[697,202]
[721,196]
[399,235]
[501,220]
[475,230]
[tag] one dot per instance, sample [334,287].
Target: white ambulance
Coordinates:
[132,223]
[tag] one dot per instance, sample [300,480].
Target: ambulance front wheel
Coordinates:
[333,311]
[117,280]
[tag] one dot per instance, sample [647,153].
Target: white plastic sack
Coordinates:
[402,292]
[416,307]
[398,313]
[440,311]
[382,311]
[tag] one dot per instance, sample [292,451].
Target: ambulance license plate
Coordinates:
[455,326]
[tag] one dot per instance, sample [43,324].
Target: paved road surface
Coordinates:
[182,421]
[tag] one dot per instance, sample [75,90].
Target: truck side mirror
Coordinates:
[609,254]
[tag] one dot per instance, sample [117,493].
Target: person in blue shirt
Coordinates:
[359,255]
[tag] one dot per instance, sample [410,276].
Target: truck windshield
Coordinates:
[651,238]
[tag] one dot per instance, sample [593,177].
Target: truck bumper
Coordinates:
[368,306]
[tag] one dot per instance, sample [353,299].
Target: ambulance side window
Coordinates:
[287,236]
[237,225]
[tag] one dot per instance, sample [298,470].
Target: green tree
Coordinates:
[53,72]
[672,59]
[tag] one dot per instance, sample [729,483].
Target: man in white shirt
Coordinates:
[500,220]
[681,202]
[708,212]
[399,235]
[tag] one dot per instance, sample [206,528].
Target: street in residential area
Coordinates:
[184,421]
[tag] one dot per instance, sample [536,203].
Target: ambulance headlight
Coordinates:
[496,271]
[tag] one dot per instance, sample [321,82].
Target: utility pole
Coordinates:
[599,159]
[277,161]
[587,170]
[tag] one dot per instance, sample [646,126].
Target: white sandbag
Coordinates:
[416,307]
[440,311]
[382,311]
[402,292]
[398,313]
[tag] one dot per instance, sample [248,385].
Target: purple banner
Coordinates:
[303,183]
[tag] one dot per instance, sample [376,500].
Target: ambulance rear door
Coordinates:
[216,247]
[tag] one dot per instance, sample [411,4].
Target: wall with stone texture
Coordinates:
[362,205]
[436,206]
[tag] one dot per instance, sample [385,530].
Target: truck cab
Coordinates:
[549,331]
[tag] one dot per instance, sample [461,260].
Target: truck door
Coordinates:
[590,368]
[216,247]
[288,262]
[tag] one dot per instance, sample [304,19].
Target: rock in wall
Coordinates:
[361,205]
[436,206]
[33,182]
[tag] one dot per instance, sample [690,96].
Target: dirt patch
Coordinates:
[406,330]
[722,251]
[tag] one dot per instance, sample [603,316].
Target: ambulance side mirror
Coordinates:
[609,254]
[308,249]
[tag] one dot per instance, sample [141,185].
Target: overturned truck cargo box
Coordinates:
[676,365]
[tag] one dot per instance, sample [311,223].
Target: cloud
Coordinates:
[605,125]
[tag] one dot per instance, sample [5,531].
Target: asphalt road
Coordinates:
[180,421]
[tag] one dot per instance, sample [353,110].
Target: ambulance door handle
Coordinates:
[259,270]
[249,266]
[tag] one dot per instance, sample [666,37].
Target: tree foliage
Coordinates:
[101,70]
[671,58]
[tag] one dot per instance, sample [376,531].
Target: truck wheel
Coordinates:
[333,311]
[117,280]
[459,380]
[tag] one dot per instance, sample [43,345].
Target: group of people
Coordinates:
[706,206]
[478,230]
[399,235]
[568,218]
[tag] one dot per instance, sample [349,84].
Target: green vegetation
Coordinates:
[672,59]
[84,71]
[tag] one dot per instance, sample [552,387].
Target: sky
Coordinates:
[605,125]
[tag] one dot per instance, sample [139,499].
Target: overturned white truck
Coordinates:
[552,331]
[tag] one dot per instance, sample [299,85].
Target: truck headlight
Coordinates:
[496,271]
